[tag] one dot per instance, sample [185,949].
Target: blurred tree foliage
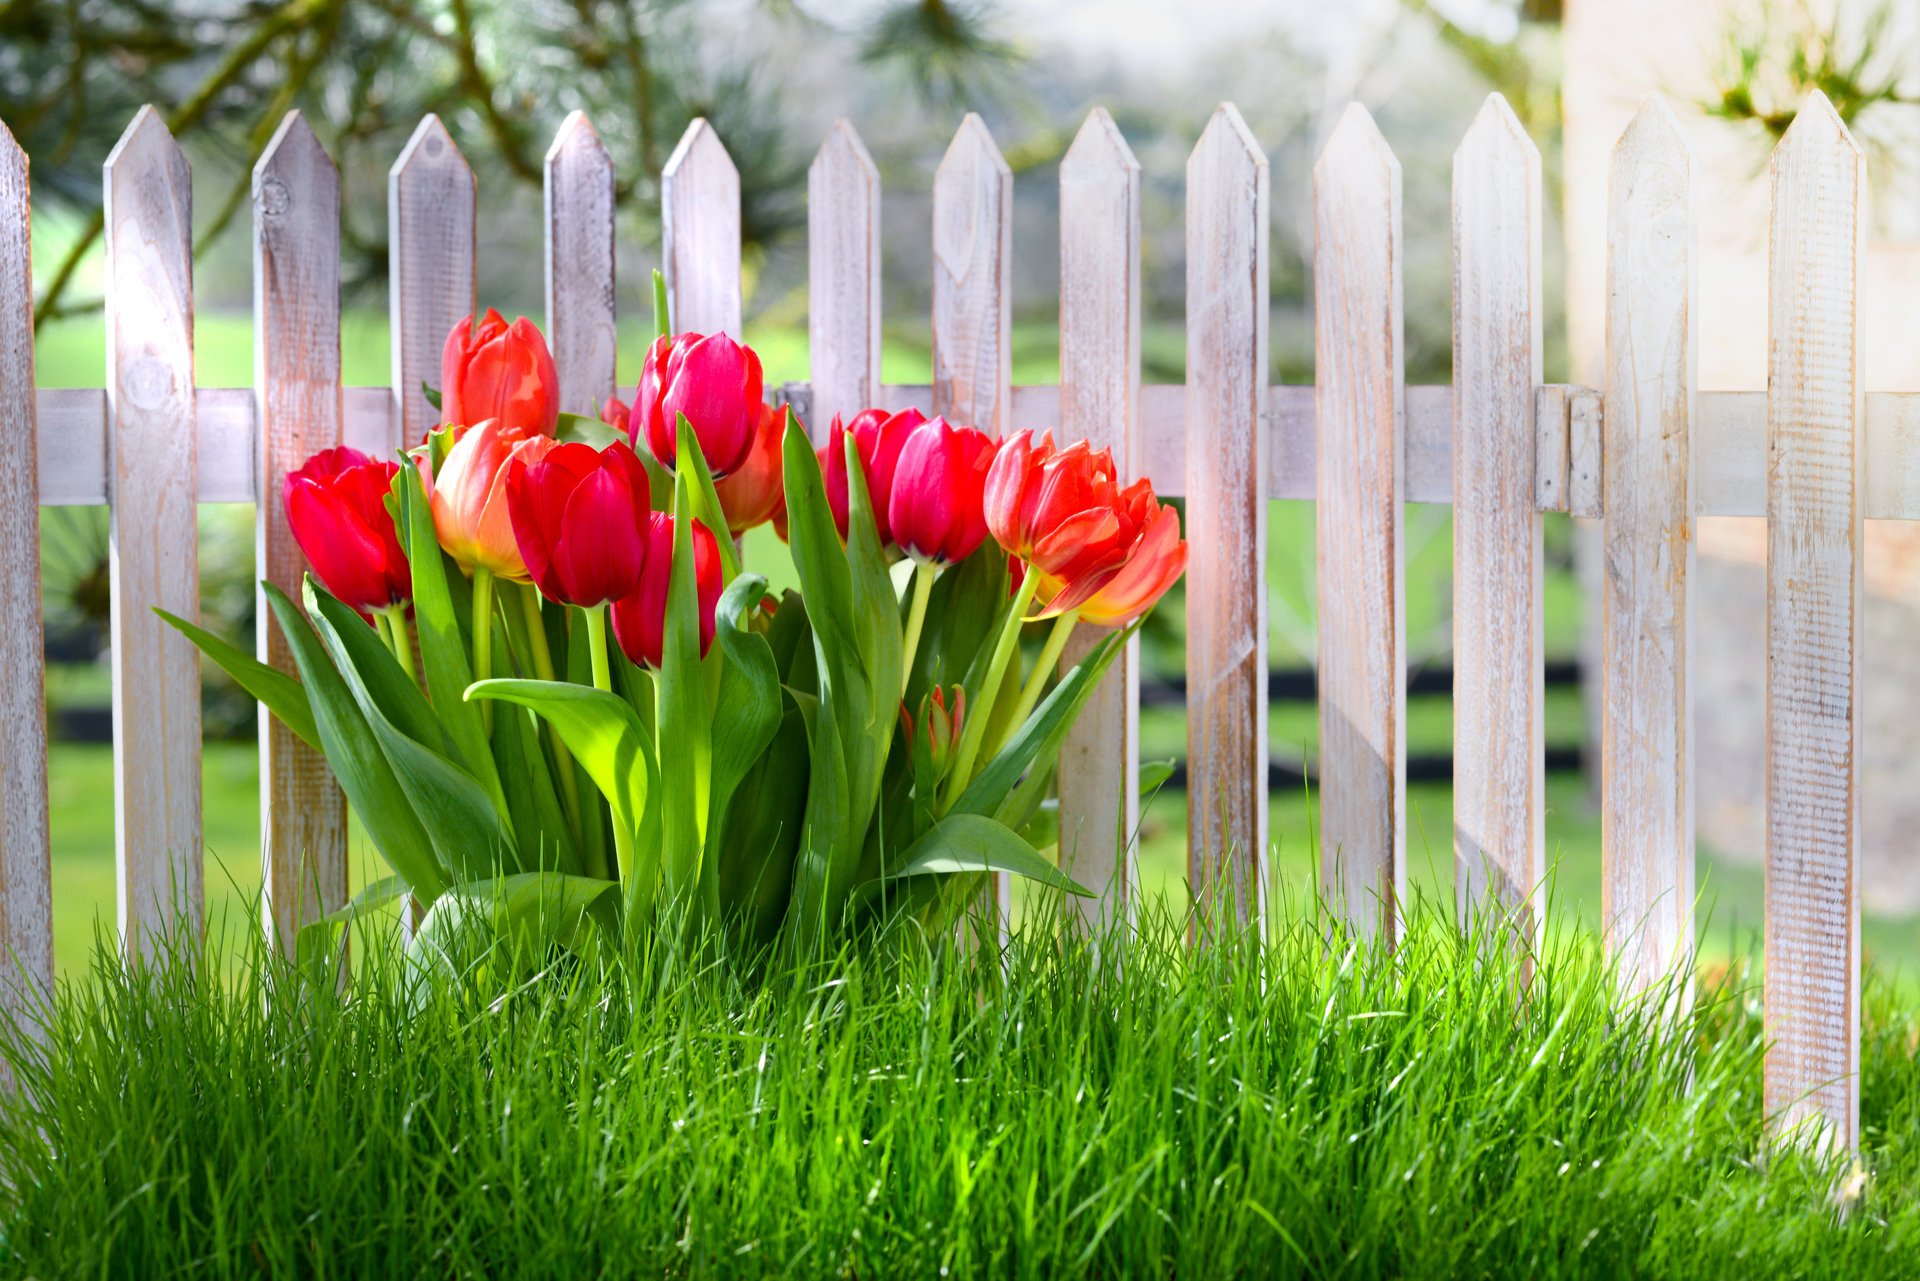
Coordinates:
[1776,55]
[224,72]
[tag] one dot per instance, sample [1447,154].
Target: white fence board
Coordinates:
[431,249]
[700,233]
[843,279]
[578,196]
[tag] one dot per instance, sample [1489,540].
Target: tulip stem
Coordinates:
[924,573]
[395,632]
[603,681]
[1037,682]
[483,636]
[975,728]
[543,668]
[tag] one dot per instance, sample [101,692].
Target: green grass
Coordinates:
[1301,1109]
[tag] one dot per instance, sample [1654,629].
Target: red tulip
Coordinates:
[1158,559]
[715,382]
[469,497]
[935,509]
[616,414]
[336,507]
[639,617]
[1061,511]
[879,437]
[752,494]
[500,371]
[579,517]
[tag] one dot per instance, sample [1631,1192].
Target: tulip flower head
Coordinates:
[468,496]
[878,436]
[942,719]
[715,383]
[336,507]
[935,510]
[500,371]
[1061,511]
[752,494]
[1158,559]
[579,516]
[616,414]
[639,617]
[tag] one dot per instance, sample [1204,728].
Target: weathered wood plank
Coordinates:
[296,362]
[431,249]
[154,534]
[26,897]
[1812,993]
[1585,420]
[1099,401]
[700,233]
[1508,462]
[1647,888]
[843,279]
[1359,514]
[580,265]
[972,299]
[1227,217]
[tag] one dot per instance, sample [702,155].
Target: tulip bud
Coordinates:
[751,495]
[468,497]
[639,617]
[878,436]
[499,371]
[1061,512]
[336,508]
[578,518]
[712,380]
[616,414]
[935,510]
[940,728]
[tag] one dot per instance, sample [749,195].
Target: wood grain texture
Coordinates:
[1227,220]
[26,896]
[1646,769]
[1585,433]
[1099,401]
[430,281]
[296,363]
[700,233]
[1812,995]
[1361,546]
[154,535]
[1504,445]
[580,265]
[972,299]
[843,279]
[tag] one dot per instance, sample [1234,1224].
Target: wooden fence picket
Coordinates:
[296,375]
[431,250]
[26,891]
[843,280]
[1360,506]
[700,233]
[1099,401]
[580,265]
[1226,403]
[1499,735]
[1646,768]
[152,483]
[1814,421]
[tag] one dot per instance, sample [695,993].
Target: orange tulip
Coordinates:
[756,490]
[468,497]
[1156,563]
[499,370]
[1061,511]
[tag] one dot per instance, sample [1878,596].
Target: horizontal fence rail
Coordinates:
[1645,454]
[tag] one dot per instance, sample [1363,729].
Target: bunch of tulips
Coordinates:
[848,755]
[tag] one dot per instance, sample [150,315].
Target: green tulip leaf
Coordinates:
[685,718]
[962,843]
[527,912]
[278,692]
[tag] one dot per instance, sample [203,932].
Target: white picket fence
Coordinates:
[1646,454]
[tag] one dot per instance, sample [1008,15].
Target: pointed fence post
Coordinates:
[431,248]
[580,265]
[843,279]
[152,487]
[1361,545]
[700,233]
[1226,405]
[1499,760]
[1814,448]
[1646,767]
[26,892]
[1099,401]
[296,374]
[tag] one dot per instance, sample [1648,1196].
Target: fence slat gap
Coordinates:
[26,872]
[152,483]
[1499,734]
[700,233]
[1360,543]
[1226,401]
[1646,773]
[1814,450]
[430,216]
[296,374]
[1099,401]
[843,279]
[580,265]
